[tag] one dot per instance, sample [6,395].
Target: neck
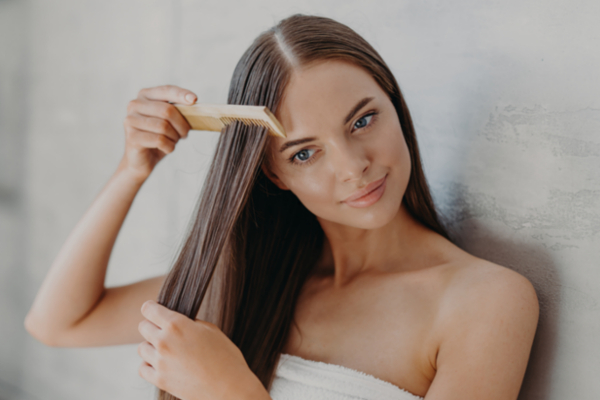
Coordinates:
[349,252]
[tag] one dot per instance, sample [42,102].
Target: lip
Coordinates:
[367,195]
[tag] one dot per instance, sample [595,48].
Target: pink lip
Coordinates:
[367,195]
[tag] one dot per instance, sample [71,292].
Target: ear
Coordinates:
[272,177]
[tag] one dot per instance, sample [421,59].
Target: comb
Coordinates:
[214,117]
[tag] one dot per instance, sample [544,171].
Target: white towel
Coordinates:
[299,379]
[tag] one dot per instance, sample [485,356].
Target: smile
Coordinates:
[367,196]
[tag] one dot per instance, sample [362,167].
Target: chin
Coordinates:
[376,216]
[373,219]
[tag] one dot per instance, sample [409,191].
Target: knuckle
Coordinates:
[159,364]
[165,112]
[159,381]
[162,140]
[168,143]
[131,136]
[131,106]
[172,89]
[144,91]
[178,319]
[129,130]
[162,346]
[145,306]
[170,111]
[164,125]
[172,326]
[168,147]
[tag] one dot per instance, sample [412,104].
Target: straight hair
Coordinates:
[250,245]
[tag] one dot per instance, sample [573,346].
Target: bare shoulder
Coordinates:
[478,279]
[483,332]
[479,295]
[478,290]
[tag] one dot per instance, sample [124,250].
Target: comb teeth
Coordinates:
[246,121]
[213,117]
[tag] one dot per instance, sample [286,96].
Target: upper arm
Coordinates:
[115,318]
[488,326]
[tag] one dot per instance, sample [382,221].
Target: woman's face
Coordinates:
[343,139]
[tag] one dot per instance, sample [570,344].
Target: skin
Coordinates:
[388,297]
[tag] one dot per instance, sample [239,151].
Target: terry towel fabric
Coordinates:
[299,379]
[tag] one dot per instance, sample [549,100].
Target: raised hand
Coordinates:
[153,127]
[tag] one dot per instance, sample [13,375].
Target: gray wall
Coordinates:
[506,106]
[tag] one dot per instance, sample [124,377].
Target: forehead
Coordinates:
[318,97]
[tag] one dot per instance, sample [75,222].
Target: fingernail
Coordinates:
[190,98]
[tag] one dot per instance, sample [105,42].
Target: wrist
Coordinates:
[254,390]
[128,173]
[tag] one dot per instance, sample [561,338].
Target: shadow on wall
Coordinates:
[531,261]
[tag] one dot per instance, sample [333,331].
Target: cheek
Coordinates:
[315,191]
[392,152]
[391,148]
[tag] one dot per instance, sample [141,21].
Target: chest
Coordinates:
[380,326]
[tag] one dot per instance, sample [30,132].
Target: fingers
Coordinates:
[152,124]
[143,139]
[171,93]
[147,372]
[160,110]
[148,353]
[160,315]
[150,331]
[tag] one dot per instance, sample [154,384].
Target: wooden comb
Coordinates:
[214,117]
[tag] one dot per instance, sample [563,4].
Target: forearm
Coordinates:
[255,391]
[75,282]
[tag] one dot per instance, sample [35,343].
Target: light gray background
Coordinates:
[505,98]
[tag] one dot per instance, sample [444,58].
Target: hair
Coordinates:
[251,245]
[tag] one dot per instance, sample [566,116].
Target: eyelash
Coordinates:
[374,115]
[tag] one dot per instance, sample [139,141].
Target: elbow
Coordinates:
[37,331]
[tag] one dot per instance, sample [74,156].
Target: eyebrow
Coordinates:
[357,108]
[348,117]
[292,143]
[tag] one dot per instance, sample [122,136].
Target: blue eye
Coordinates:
[361,119]
[303,155]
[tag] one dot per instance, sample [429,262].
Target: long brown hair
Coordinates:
[251,245]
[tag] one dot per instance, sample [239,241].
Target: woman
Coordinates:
[324,246]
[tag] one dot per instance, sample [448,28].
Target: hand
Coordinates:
[153,127]
[193,359]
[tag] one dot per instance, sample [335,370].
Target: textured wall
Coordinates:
[13,246]
[506,106]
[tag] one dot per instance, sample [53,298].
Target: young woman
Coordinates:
[315,266]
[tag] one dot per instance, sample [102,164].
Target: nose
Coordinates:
[350,161]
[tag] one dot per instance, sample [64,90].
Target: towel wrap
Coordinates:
[299,379]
